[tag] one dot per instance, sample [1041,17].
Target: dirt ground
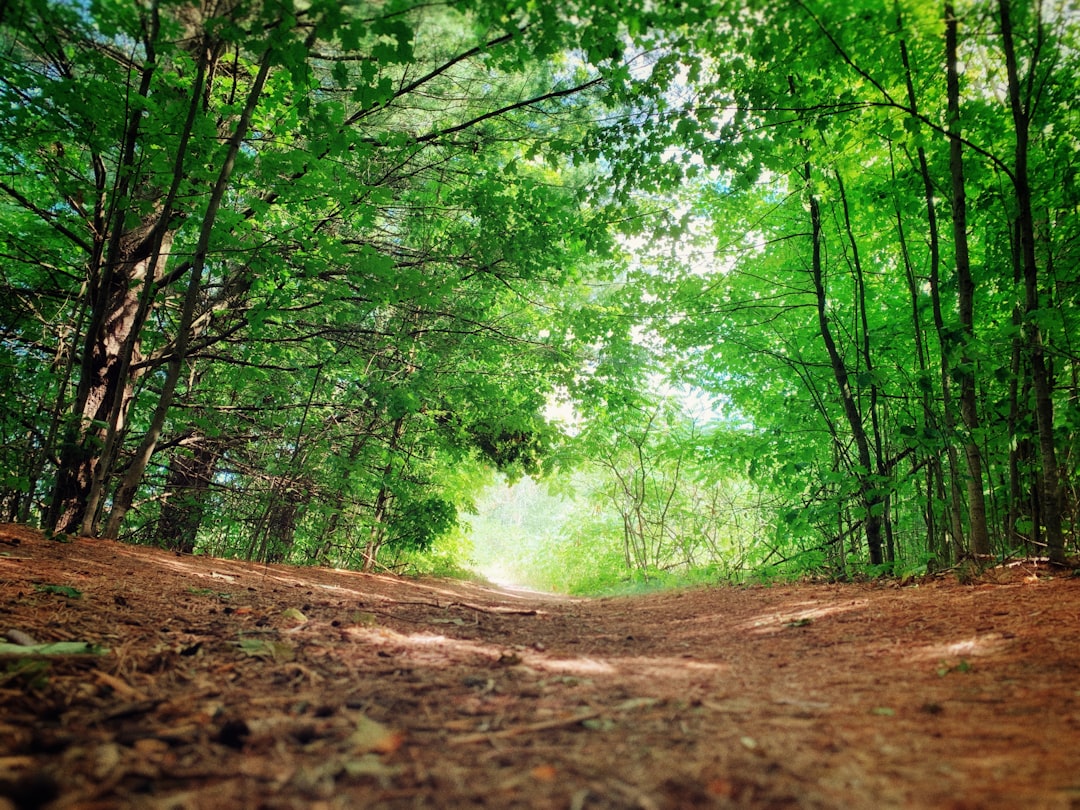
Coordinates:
[189,682]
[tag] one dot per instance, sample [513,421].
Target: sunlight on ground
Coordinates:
[987,644]
[461,650]
[801,613]
[497,573]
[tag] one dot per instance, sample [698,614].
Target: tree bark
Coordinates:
[945,340]
[191,471]
[870,493]
[133,476]
[122,268]
[979,533]
[1050,489]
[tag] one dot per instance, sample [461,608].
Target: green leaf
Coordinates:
[60,590]
[277,651]
[58,648]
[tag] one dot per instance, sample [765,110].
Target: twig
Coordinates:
[517,731]
[509,611]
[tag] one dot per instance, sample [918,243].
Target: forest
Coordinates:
[749,288]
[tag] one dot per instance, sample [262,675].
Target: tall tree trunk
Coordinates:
[979,534]
[870,493]
[133,476]
[880,467]
[1019,451]
[935,544]
[106,390]
[121,278]
[1050,504]
[948,418]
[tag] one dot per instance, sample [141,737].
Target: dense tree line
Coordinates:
[271,268]
[285,280]
[891,300]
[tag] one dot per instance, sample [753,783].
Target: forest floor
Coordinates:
[190,682]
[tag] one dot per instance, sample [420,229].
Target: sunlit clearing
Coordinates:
[497,573]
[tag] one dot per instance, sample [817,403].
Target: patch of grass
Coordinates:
[28,674]
[945,668]
[60,590]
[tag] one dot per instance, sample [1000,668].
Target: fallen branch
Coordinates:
[517,731]
[508,611]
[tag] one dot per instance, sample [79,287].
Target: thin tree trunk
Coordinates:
[935,545]
[955,501]
[880,467]
[980,535]
[870,493]
[1017,502]
[383,500]
[1050,489]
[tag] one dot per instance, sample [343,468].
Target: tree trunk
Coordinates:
[383,500]
[979,534]
[121,276]
[880,468]
[106,391]
[1050,489]
[286,498]
[133,476]
[870,493]
[948,419]
[191,471]
[1019,450]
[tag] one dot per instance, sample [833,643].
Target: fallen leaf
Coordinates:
[259,648]
[150,747]
[16,636]
[118,686]
[544,773]
[598,723]
[722,788]
[61,590]
[371,736]
[294,615]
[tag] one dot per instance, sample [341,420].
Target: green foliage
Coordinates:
[293,282]
[60,590]
[418,524]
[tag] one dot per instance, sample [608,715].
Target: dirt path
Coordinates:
[228,685]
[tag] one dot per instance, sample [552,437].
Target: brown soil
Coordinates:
[232,685]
